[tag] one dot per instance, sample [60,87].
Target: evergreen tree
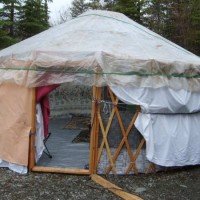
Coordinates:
[186,27]
[9,22]
[131,8]
[156,16]
[177,20]
[78,7]
[194,37]
[47,9]
[33,18]
[95,4]
[109,4]
[9,14]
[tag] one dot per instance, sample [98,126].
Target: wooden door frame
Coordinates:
[93,142]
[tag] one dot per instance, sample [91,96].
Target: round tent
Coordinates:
[102,48]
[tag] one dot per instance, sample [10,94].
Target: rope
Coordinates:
[102,73]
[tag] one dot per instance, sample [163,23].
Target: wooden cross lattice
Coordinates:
[124,141]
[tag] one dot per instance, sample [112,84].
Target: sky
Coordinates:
[57,6]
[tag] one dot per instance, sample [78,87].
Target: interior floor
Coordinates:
[65,154]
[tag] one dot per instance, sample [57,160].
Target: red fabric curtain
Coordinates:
[43,99]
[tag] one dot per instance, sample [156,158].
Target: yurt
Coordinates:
[124,65]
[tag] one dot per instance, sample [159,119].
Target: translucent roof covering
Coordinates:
[102,48]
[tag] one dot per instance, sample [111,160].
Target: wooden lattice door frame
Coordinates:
[98,126]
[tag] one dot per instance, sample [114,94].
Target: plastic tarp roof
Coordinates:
[106,43]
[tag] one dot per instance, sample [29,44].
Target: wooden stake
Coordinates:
[113,188]
[31,162]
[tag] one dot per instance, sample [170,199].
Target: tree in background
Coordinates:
[33,18]
[185,15]
[20,19]
[177,20]
[78,7]
[9,22]
[194,37]
[110,4]
[95,5]
[133,9]
[155,18]
[47,9]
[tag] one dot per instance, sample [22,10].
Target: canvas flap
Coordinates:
[15,123]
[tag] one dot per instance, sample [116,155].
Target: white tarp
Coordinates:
[104,42]
[14,167]
[171,139]
[160,100]
[39,144]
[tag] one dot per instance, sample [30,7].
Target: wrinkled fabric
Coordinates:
[21,169]
[39,137]
[171,140]
[161,100]
[104,42]
[169,122]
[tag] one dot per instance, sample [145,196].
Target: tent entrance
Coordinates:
[69,141]
[108,121]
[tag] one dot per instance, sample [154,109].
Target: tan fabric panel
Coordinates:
[15,123]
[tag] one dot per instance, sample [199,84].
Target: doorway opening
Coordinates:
[68,143]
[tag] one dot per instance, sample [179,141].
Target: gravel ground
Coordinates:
[177,184]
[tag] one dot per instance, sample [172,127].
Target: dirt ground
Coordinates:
[171,185]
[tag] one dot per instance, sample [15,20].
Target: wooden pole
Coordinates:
[99,89]
[94,130]
[92,134]
[31,162]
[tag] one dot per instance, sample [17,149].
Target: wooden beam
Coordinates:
[92,134]
[113,188]
[60,170]
[97,131]
[31,161]
[94,130]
